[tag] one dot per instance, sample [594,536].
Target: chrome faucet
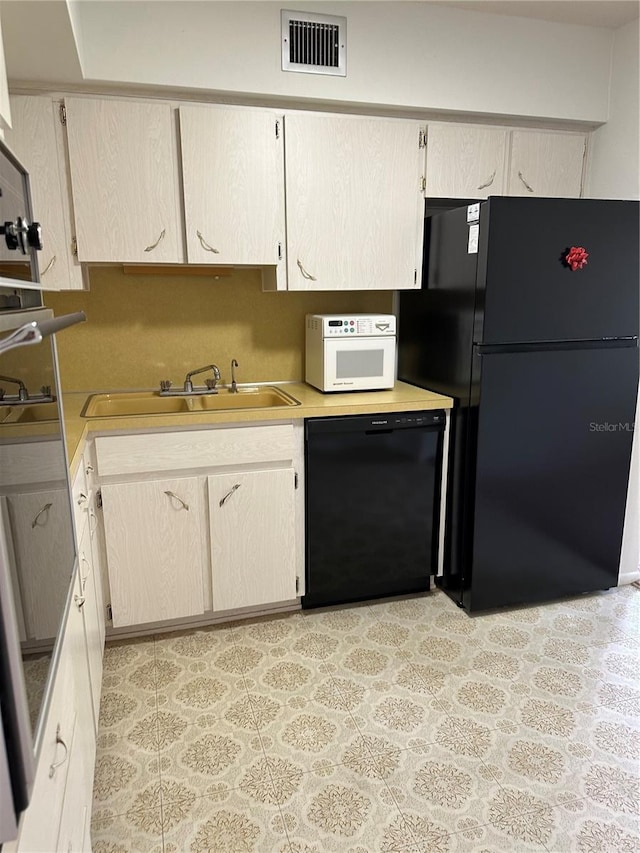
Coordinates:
[22,395]
[234,384]
[209,387]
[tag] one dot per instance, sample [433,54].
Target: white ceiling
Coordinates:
[591,13]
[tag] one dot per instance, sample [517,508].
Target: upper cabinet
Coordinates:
[124,180]
[546,164]
[37,140]
[474,162]
[355,206]
[233,182]
[465,161]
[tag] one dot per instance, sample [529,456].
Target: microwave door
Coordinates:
[359,364]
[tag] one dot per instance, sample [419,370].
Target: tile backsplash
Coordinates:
[143,328]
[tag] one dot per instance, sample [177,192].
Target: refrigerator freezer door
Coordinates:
[553,450]
[525,290]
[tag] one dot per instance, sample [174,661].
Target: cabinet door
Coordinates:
[233,180]
[355,208]
[44,557]
[546,164]
[465,161]
[252,538]
[124,180]
[36,141]
[153,534]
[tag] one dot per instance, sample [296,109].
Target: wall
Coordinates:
[5,108]
[142,329]
[614,162]
[404,55]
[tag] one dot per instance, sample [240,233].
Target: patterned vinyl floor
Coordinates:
[396,726]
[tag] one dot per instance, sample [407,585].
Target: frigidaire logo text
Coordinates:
[607,427]
[379,422]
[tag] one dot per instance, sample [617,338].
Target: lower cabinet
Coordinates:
[252,538]
[153,533]
[228,537]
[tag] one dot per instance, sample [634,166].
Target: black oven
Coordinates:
[20,237]
[37,550]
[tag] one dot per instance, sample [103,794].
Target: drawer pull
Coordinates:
[173,495]
[489,182]
[205,245]
[82,499]
[229,493]
[56,764]
[79,600]
[153,245]
[305,274]
[83,578]
[45,508]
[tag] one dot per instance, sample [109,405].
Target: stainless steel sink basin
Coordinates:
[135,404]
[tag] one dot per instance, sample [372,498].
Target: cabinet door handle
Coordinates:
[79,600]
[82,499]
[56,764]
[153,245]
[305,274]
[489,182]
[93,516]
[521,176]
[83,578]
[49,266]
[205,245]
[229,493]
[180,501]
[45,508]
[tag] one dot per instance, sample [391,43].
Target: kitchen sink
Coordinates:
[37,413]
[133,404]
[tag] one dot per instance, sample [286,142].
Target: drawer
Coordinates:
[146,453]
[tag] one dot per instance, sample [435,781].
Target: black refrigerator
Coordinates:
[528,318]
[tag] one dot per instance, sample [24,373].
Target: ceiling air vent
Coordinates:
[315,44]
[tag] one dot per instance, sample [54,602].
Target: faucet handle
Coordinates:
[211,384]
[165,384]
[45,390]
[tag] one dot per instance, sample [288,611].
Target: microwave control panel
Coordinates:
[352,325]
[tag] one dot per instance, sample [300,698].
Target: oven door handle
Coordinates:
[33,333]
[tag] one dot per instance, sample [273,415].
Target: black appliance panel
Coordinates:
[554,438]
[372,510]
[532,295]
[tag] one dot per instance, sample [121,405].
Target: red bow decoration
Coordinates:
[576,258]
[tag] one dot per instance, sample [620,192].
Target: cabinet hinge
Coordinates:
[99,498]
[277,130]
[74,247]
[423,183]
[109,613]
[297,584]
[422,139]
[279,251]
[63,114]
[295,479]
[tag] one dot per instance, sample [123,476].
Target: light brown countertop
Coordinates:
[313,404]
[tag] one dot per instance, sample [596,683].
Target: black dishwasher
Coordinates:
[372,505]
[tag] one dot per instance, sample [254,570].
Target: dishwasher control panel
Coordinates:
[386,421]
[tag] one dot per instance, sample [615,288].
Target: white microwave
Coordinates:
[350,352]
